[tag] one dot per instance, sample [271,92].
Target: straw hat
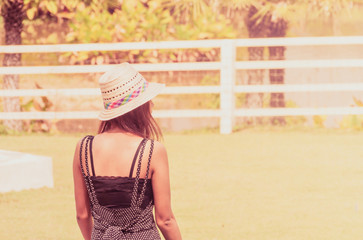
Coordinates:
[124,89]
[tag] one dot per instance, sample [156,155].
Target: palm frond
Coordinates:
[236,4]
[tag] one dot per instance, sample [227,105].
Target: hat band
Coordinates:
[128,98]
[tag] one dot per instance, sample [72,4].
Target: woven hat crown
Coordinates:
[124,89]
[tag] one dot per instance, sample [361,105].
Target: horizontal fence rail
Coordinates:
[155,67]
[298,111]
[193,66]
[227,67]
[96,91]
[126,46]
[333,87]
[200,113]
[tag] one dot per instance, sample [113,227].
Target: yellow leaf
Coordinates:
[129,5]
[99,60]
[205,35]
[81,6]
[358,102]
[51,7]
[135,52]
[52,38]
[70,37]
[30,13]
[65,15]
[37,105]
[70,4]
[31,29]
[319,120]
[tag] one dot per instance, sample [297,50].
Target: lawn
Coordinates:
[253,184]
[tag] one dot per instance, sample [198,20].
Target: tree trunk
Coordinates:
[277,100]
[255,77]
[255,30]
[12,12]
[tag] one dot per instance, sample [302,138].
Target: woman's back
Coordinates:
[113,154]
[132,218]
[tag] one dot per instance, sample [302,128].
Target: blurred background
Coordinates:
[262,114]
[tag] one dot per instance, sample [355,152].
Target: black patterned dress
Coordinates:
[135,221]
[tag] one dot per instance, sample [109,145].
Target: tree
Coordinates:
[12,12]
[187,10]
[330,9]
[257,28]
[271,18]
[278,15]
[277,76]
[264,19]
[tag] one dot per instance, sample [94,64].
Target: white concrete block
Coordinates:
[19,171]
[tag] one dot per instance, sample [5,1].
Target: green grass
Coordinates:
[253,184]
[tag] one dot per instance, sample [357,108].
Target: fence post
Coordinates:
[227,81]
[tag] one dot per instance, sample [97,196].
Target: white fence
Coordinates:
[227,67]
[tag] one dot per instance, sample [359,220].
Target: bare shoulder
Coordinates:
[159,153]
[82,139]
[78,147]
[76,162]
[159,148]
[79,142]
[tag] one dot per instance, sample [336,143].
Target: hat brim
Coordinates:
[151,91]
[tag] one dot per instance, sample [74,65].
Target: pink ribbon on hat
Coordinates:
[127,98]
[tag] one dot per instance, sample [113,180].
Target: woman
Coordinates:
[122,173]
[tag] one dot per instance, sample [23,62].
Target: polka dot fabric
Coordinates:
[129,223]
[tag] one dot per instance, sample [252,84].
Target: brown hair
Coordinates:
[138,121]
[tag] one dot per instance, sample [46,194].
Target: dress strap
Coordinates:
[84,141]
[136,184]
[86,174]
[91,156]
[135,157]
[135,200]
[141,198]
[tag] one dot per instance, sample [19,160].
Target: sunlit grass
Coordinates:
[254,184]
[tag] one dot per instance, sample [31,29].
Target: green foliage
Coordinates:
[42,104]
[240,100]
[329,8]
[205,26]
[213,101]
[92,21]
[354,122]
[291,121]
[139,22]
[186,10]
[3,129]
[53,9]
[134,22]
[294,120]
[45,21]
[319,120]
[358,102]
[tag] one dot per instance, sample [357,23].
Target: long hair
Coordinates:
[138,121]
